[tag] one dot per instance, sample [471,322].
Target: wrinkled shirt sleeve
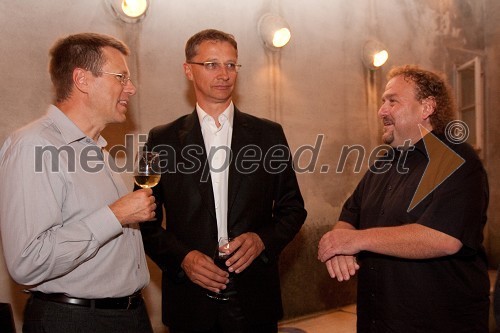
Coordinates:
[38,245]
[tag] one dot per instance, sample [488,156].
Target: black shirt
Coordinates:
[445,294]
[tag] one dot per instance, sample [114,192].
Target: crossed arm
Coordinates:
[338,247]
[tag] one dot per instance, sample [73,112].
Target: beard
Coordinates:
[388,137]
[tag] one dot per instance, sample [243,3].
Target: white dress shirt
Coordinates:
[58,232]
[218,144]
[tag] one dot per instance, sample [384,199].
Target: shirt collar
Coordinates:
[228,114]
[419,146]
[69,131]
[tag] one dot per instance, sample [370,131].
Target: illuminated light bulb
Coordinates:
[134,8]
[380,58]
[281,37]
[374,54]
[274,31]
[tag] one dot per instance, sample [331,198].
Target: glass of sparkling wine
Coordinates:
[147,169]
[220,257]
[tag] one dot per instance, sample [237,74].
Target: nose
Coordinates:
[382,111]
[223,73]
[129,88]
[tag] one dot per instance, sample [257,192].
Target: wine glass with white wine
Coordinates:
[147,169]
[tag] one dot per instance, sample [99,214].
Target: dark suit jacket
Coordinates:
[263,197]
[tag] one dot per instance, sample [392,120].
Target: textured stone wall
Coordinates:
[317,87]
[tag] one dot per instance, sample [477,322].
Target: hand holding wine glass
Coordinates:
[134,207]
[147,169]
[223,252]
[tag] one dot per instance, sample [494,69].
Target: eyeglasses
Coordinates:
[121,77]
[215,66]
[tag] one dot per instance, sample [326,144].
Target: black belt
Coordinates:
[125,303]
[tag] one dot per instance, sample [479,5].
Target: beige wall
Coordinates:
[316,85]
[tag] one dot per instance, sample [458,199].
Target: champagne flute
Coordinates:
[221,255]
[147,169]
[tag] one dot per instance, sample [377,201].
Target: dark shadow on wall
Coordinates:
[306,286]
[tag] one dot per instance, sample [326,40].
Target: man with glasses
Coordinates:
[68,223]
[226,173]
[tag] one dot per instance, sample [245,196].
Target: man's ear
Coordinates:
[80,79]
[429,106]
[188,72]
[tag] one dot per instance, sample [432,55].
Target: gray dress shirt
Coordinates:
[58,233]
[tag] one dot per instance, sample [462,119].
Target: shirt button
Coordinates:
[382,212]
[390,188]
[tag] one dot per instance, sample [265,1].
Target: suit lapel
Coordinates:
[242,136]
[190,136]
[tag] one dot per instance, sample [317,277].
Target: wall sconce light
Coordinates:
[130,11]
[374,54]
[274,31]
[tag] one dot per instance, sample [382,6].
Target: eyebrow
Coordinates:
[388,96]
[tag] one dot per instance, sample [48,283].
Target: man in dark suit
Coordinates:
[225,173]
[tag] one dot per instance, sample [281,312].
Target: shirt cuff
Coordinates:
[104,225]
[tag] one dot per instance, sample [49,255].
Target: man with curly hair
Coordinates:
[412,229]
